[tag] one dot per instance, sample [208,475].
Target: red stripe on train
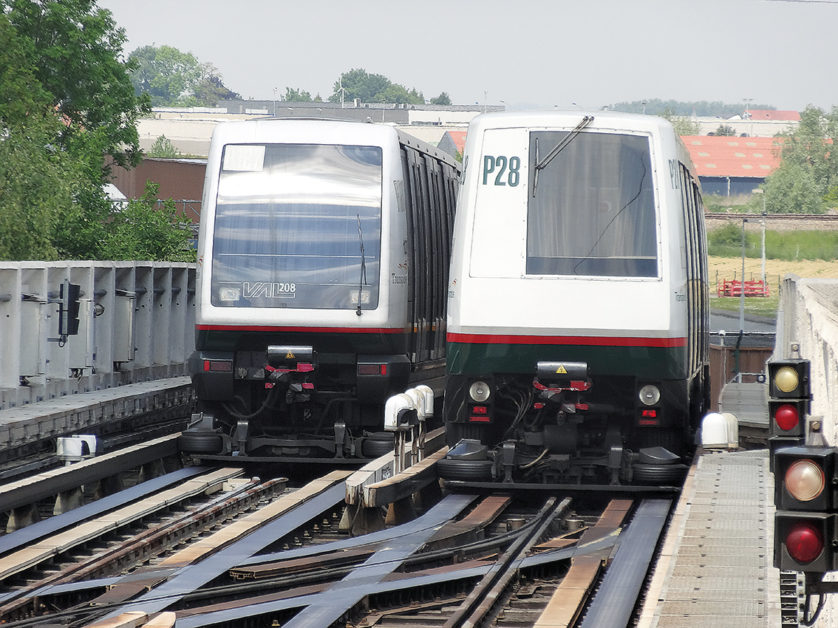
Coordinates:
[595,341]
[319,330]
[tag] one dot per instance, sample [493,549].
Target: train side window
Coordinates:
[414,248]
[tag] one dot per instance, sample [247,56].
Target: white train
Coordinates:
[322,270]
[577,302]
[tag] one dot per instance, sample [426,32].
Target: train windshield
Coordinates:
[298,226]
[592,210]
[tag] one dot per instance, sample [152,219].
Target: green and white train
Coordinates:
[577,302]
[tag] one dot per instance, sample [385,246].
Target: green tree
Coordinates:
[165,73]
[656,107]
[399,95]
[211,89]
[442,99]
[36,190]
[792,189]
[66,102]
[683,126]
[807,178]
[73,49]
[147,229]
[297,95]
[725,130]
[358,83]
[163,148]
[365,87]
[173,78]
[21,93]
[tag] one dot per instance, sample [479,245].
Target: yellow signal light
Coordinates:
[786,380]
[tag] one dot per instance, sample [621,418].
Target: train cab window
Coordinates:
[298,226]
[592,209]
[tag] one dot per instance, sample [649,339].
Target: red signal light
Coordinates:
[787,417]
[804,542]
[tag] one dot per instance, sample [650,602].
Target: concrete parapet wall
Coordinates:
[809,317]
[136,323]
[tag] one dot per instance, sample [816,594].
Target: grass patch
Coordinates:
[786,245]
[758,306]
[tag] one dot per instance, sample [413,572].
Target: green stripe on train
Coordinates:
[648,362]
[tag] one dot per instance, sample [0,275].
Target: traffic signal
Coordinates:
[806,497]
[788,397]
[68,309]
[804,479]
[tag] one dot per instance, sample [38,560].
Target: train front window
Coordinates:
[298,226]
[592,211]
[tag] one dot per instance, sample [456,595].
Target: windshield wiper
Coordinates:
[363,280]
[541,164]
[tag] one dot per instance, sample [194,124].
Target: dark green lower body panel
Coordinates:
[634,361]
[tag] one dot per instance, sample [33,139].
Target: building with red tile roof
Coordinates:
[453,142]
[730,166]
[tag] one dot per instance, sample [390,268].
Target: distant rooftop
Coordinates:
[723,156]
[773,114]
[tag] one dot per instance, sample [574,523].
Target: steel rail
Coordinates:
[301,597]
[520,488]
[484,596]
[615,600]
[28,535]
[178,580]
[66,540]
[318,608]
[152,541]
[51,483]
[393,583]
[344,595]
[435,548]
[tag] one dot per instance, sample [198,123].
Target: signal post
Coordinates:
[805,483]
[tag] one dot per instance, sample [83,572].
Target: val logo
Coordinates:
[289,356]
[561,370]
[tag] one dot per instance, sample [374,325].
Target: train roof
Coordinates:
[568,119]
[299,129]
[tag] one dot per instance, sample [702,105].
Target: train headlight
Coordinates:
[479,391]
[649,395]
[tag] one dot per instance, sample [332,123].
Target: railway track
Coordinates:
[210,546]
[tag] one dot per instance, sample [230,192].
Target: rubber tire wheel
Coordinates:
[666,438]
[378,444]
[467,470]
[659,474]
[199,442]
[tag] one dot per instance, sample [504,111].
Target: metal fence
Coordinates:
[136,323]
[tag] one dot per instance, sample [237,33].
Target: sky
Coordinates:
[523,54]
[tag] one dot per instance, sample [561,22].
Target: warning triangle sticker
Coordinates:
[561,370]
[289,356]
